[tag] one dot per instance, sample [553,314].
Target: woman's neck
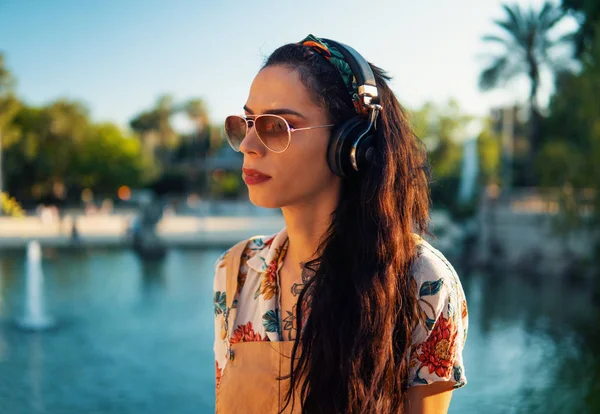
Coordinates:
[306,225]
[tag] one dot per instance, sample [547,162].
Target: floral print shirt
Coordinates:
[436,352]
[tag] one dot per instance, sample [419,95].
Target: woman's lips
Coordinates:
[252,177]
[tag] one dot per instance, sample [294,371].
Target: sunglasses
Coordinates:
[272,130]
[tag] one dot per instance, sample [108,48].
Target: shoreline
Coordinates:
[111,231]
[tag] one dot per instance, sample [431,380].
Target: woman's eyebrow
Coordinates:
[279,111]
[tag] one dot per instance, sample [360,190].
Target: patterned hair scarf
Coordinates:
[334,56]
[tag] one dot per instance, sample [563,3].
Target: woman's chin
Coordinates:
[263,200]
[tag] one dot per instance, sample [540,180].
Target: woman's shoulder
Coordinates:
[251,247]
[444,317]
[438,286]
[431,264]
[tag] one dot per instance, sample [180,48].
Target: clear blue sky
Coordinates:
[118,56]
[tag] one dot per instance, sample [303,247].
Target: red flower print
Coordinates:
[465,311]
[270,241]
[439,349]
[218,371]
[272,272]
[245,333]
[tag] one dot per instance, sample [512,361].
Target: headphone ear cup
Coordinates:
[365,153]
[340,143]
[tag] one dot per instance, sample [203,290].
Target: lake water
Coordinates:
[136,338]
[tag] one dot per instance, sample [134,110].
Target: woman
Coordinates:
[347,309]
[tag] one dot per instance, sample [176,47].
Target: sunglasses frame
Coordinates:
[253,118]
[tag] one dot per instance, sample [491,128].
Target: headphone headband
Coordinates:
[367,87]
[353,69]
[352,144]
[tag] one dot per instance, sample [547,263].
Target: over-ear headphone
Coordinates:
[352,144]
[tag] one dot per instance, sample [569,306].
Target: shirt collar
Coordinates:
[269,252]
[272,248]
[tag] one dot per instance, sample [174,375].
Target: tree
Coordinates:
[199,146]
[7,81]
[573,149]
[196,110]
[108,160]
[527,51]
[489,155]
[440,128]
[155,129]
[9,105]
[57,147]
[587,13]
[569,158]
[40,155]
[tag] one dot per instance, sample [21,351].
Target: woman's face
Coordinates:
[300,174]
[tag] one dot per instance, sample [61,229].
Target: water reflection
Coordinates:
[136,336]
[152,281]
[8,275]
[527,341]
[36,372]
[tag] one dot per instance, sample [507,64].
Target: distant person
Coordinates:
[75,237]
[365,315]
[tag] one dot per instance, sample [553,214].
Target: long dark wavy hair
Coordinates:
[351,355]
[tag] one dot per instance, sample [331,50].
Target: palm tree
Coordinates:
[527,50]
[154,126]
[197,112]
[199,147]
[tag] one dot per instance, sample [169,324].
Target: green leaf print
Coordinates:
[219,301]
[430,323]
[270,321]
[431,288]
[457,373]
[257,293]
[418,379]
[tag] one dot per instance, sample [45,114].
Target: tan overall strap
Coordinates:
[232,270]
[232,266]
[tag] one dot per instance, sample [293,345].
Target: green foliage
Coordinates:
[155,129]
[572,148]
[58,144]
[10,206]
[7,81]
[197,111]
[569,159]
[9,107]
[587,13]
[526,44]
[107,160]
[443,129]
[560,163]
[224,184]
[440,129]
[527,49]
[489,154]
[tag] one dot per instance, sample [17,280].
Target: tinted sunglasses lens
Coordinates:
[273,132]
[235,130]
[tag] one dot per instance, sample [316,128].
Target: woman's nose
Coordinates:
[251,143]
